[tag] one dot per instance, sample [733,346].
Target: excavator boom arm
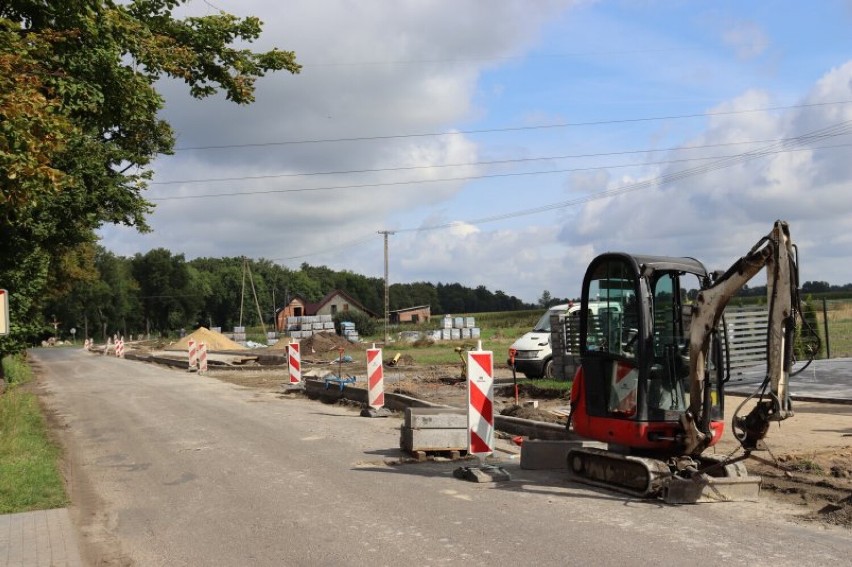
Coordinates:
[775,253]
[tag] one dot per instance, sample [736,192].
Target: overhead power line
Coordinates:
[508,129]
[310,65]
[461,177]
[831,131]
[464,164]
[342,246]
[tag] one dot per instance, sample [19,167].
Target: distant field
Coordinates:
[499,330]
[839,315]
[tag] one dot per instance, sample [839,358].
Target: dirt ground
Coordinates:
[808,463]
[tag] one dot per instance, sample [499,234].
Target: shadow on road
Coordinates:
[542,482]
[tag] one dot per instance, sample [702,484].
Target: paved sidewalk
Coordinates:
[824,380]
[33,539]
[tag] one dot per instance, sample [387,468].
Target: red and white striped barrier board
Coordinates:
[119,348]
[202,357]
[480,402]
[193,354]
[294,362]
[625,379]
[375,379]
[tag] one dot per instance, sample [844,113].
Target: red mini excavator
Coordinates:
[654,365]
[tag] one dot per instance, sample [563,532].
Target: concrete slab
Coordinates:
[432,440]
[551,454]
[40,538]
[435,418]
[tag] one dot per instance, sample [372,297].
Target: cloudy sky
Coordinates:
[506,143]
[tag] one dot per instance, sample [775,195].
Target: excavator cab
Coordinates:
[632,386]
[652,371]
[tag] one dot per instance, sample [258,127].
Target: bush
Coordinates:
[364,324]
[15,369]
[807,341]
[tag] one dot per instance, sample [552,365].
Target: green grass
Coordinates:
[29,461]
[807,466]
[839,327]
[497,332]
[444,352]
[541,383]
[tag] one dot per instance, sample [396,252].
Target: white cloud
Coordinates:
[718,215]
[375,70]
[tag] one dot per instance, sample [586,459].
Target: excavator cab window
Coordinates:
[667,387]
[635,339]
[668,376]
[610,342]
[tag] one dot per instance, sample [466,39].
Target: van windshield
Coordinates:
[543,325]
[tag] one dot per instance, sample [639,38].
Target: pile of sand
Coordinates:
[213,340]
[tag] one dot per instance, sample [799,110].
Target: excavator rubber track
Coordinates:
[636,476]
[651,478]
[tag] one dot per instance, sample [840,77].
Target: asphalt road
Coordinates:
[168,468]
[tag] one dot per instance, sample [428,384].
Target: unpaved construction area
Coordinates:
[809,462]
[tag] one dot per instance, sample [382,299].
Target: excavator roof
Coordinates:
[643,262]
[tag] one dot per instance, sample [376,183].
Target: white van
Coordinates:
[533,355]
[533,352]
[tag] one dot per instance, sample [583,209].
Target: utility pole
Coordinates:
[385,233]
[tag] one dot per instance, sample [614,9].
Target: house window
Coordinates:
[346,307]
[334,309]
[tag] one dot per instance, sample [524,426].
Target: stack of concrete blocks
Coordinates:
[455,329]
[305,326]
[347,328]
[240,335]
[447,328]
[565,342]
[434,430]
[271,338]
[293,325]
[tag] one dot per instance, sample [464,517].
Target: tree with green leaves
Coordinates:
[169,295]
[79,122]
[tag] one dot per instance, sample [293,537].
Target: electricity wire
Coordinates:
[463,164]
[508,129]
[463,178]
[830,131]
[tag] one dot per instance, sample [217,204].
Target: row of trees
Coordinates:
[160,292]
[80,125]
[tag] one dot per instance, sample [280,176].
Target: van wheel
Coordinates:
[548,371]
